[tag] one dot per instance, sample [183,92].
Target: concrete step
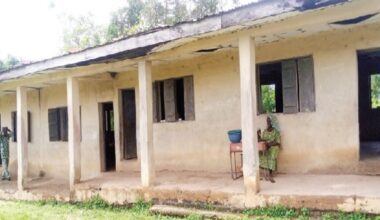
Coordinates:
[184,212]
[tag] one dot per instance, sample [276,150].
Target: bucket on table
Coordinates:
[234,136]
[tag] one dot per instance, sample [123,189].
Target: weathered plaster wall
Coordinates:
[322,141]
[325,140]
[8,105]
[54,155]
[200,144]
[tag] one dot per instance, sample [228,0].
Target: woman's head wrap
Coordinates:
[274,121]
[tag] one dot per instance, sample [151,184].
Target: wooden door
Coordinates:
[129,124]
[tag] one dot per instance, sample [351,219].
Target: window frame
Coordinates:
[312,89]
[161,102]
[62,129]
[14,126]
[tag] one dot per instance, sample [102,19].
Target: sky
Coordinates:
[32,29]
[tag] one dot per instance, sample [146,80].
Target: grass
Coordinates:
[94,209]
[97,208]
[279,212]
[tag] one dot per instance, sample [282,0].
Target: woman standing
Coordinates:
[5,135]
[268,158]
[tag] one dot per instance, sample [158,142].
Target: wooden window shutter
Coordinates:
[63,123]
[306,84]
[156,101]
[1,162]
[289,86]
[259,100]
[80,121]
[188,85]
[29,126]
[54,128]
[14,126]
[170,100]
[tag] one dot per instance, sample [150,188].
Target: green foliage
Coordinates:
[181,12]
[96,208]
[205,7]
[51,202]
[9,62]
[353,216]
[194,216]
[347,216]
[268,96]
[136,16]
[327,216]
[125,20]
[46,210]
[154,14]
[375,91]
[209,207]
[164,12]
[305,212]
[81,32]
[275,211]
[141,206]
[96,202]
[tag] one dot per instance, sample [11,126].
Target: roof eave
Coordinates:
[140,44]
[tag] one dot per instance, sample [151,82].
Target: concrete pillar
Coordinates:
[146,123]
[248,114]
[118,127]
[22,137]
[73,114]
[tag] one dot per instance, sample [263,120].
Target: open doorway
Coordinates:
[109,158]
[369,103]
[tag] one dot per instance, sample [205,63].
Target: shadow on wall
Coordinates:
[13,168]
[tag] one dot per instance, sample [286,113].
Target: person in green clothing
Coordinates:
[5,135]
[268,158]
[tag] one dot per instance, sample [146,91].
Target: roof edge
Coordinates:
[223,20]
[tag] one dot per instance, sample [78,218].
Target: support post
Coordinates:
[73,114]
[248,114]
[22,137]
[146,123]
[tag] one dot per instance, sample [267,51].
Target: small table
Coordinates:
[236,170]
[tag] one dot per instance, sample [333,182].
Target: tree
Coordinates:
[126,20]
[81,32]
[9,62]
[181,12]
[268,95]
[164,12]
[375,91]
[205,7]
[154,14]
[141,15]
[138,15]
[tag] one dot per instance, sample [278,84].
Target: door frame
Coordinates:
[102,150]
[360,98]
[121,124]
